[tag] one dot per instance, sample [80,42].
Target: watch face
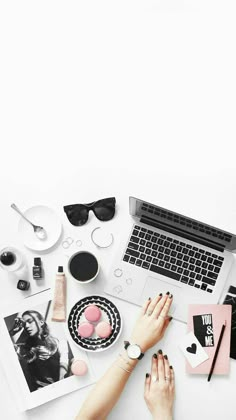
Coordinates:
[133,351]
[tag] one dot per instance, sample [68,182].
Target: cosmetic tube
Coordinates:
[59,303]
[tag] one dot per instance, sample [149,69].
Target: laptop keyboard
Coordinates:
[172,258]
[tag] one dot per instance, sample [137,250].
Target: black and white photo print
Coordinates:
[43,351]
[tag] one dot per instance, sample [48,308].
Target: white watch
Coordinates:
[133,351]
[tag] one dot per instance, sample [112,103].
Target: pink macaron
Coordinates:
[79,367]
[85,329]
[103,329]
[92,313]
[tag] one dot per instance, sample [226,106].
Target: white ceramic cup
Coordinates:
[17,258]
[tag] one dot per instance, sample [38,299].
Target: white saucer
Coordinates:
[41,216]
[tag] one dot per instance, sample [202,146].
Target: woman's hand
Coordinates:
[48,381]
[159,389]
[62,372]
[18,326]
[149,328]
[152,322]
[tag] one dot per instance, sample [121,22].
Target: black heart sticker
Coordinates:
[192,349]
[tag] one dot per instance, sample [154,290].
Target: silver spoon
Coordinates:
[38,230]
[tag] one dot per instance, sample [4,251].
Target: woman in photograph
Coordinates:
[44,359]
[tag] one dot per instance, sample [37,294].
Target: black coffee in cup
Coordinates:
[7,258]
[83,266]
[10,258]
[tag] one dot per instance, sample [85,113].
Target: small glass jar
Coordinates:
[10,258]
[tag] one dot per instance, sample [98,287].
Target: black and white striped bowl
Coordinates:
[110,314]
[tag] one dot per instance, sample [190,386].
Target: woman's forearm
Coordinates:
[148,330]
[108,389]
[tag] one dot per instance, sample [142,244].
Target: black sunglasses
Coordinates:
[103,209]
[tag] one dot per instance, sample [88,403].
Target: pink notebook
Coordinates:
[206,322]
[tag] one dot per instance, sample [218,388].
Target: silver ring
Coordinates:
[149,313]
[167,378]
[69,240]
[154,379]
[65,245]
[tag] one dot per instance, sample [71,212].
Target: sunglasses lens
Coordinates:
[105,209]
[77,215]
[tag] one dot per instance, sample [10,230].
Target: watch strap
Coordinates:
[126,344]
[141,356]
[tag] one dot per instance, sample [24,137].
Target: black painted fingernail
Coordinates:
[170,318]
[170,296]
[167,293]
[147,375]
[155,356]
[149,298]
[160,351]
[160,294]
[166,357]
[171,367]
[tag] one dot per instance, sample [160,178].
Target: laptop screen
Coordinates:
[181,225]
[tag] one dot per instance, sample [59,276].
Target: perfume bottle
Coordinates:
[23,285]
[37,269]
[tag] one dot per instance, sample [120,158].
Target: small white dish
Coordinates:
[45,217]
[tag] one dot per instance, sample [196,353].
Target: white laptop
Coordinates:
[167,251]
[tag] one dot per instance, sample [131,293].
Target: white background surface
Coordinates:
[119,98]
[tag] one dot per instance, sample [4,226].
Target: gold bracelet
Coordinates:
[126,370]
[122,357]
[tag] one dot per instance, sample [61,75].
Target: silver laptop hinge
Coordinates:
[180,232]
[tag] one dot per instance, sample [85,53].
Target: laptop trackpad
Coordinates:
[154,286]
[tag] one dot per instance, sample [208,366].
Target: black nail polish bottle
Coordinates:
[37,269]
